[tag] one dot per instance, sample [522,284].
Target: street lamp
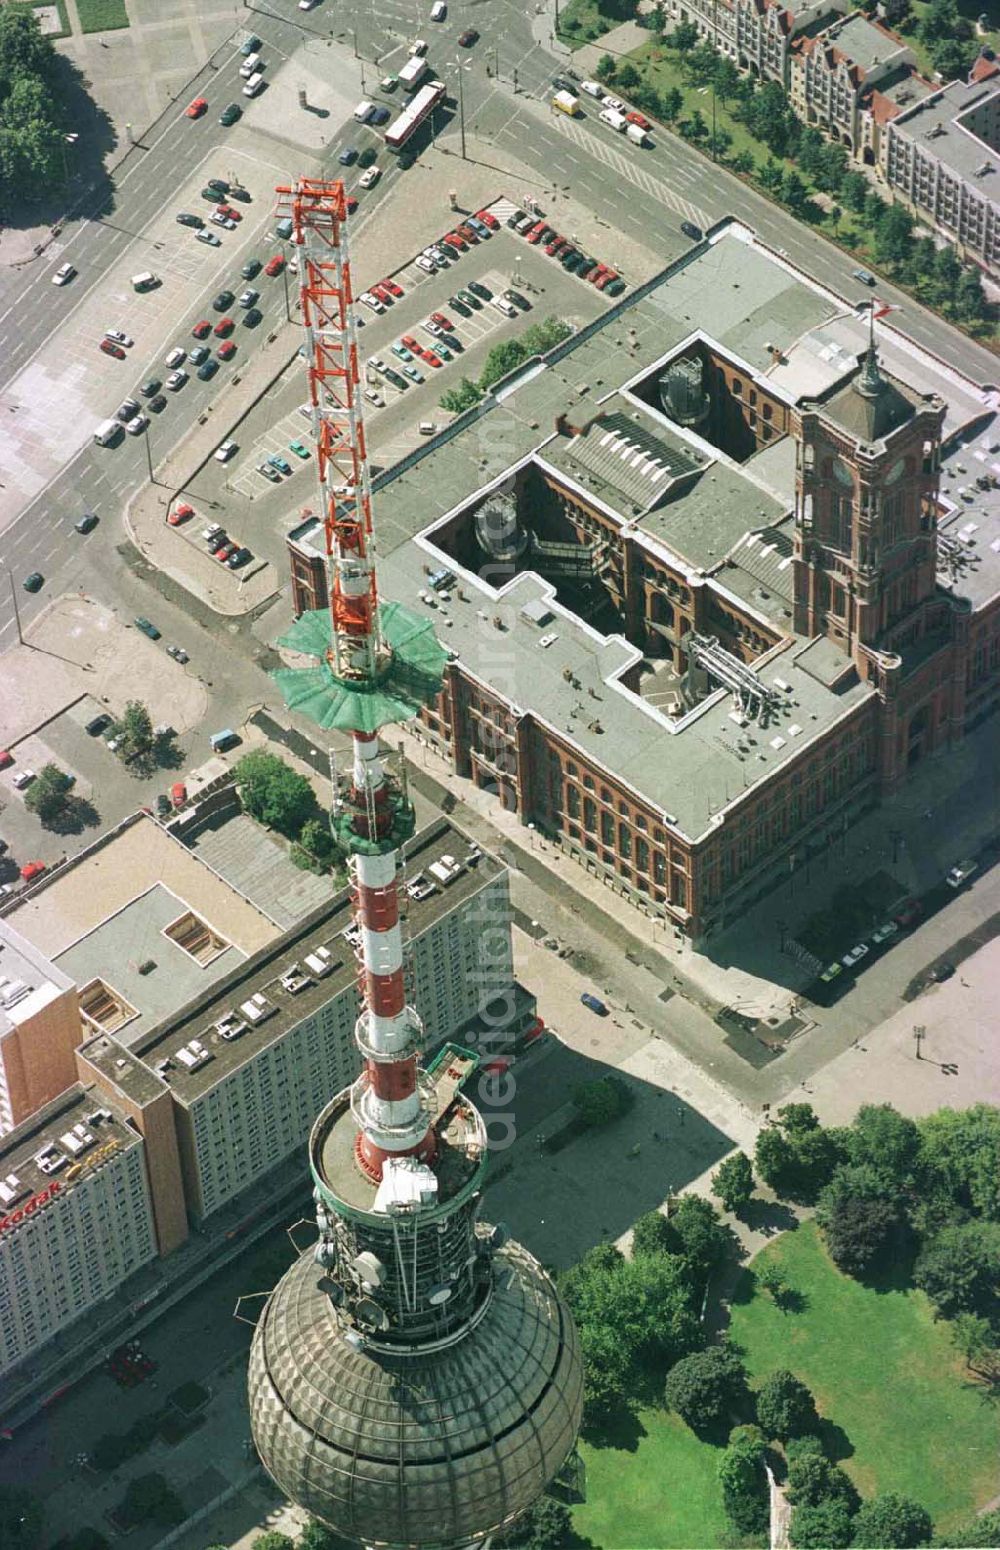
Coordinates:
[284,276]
[461,110]
[918,1036]
[149,455]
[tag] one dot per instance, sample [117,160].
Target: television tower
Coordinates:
[415,1379]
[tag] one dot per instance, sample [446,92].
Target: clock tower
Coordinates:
[867,467]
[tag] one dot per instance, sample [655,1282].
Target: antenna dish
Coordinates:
[439,1294]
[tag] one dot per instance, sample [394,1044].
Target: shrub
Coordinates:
[892,1522]
[707,1386]
[785,1407]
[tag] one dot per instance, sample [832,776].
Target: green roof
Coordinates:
[411,678]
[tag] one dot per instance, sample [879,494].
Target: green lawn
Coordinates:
[885,1373]
[580,21]
[661,1494]
[662,69]
[102,15]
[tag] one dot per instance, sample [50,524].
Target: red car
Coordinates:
[536,234]
[224,327]
[226,351]
[411,344]
[274,265]
[113,349]
[392,288]
[196,108]
[383,294]
[638,118]
[226,550]
[32,870]
[555,246]
[468,235]
[6,758]
[606,279]
[229,212]
[202,330]
[598,274]
[453,240]
[909,913]
[180,514]
[431,358]
[441,321]
[178,793]
[491,220]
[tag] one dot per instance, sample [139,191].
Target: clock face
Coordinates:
[895,471]
[842,472]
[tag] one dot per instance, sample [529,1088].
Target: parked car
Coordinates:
[208,238]
[961,873]
[274,265]
[64,274]
[281,463]
[224,451]
[147,628]
[855,955]
[196,107]
[594,1003]
[230,114]
[269,472]
[86,523]
[34,582]
[251,269]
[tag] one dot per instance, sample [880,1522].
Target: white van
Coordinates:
[592,88]
[146,281]
[613,119]
[254,85]
[250,66]
[418,48]
[364,111]
[439,11]
[107,432]
[636,134]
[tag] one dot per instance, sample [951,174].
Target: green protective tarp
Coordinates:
[412,679]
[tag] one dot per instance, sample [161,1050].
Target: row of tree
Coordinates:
[537,339]
[31,124]
[800,163]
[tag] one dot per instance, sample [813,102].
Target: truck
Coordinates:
[636,134]
[613,119]
[413,72]
[566,102]
[107,432]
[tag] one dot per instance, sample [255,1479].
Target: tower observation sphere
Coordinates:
[415,1379]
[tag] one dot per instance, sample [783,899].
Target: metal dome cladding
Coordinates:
[422,1448]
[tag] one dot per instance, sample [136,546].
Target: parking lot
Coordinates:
[69,386]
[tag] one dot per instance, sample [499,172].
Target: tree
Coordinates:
[21,1516]
[702,1239]
[601,1101]
[457,399]
[953,58]
[824,1525]
[854,191]
[893,235]
[811,145]
[978,1343]
[885,1141]
[24,51]
[136,743]
[772,1280]
[793,191]
[813,1479]
[540,338]
[726,77]
[683,38]
[959,1269]
[785,1407]
[891,1522]
[48,794]
[273,793]
[744,1484]
[894,12]
[315,838]
[770,176]
[503,358]
[831,167]
[701,64]
[151,1498]
[627,76]
[316,1536]
[605,68]
[547,1525]
[633,1316]
[653,1234]
[859,1214]
[979,1533]
[940,20]
[718,143]
[707,1386]
[273,1540]
[694,127]
[970,299]
[743,163]
[671,104]
[732,1181]
[795,1156]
